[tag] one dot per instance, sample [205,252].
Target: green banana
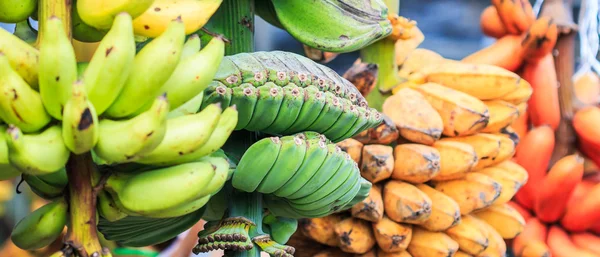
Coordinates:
[344,123]
[363,192]
[125,140]
[81,31]
[216,93]
[80,122]
[255,164]
[152,67]
[281,228]
[100,14]
[180,210]
[315,156]
[311,109]
[56,179]
[49,186]
[193,74]
[334,25]
[191,46]
[58,67]
[41,227]
[334,160]
[7,171]
[216,207]
[185,134]
[361,121]
[244,97]
[329,115]
[290,109]
[291,154]
[20,104]
[23,57]
[299,75]
[13,11]
[142,192]
[111,64]
[25,32]
[251,69]
[108,209]
[37,154]
[190,107]
[268,104]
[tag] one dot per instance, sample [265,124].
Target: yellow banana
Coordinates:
[190,107]
[194,13]
[504,219]
[37,154]
[496,246]
[417,60]
[392,236]
[522,108]
[415,163]
[456,159]
[472,192]
[461,113]
[377,162]
[23,58]
[80,122]
[462,254]
[354,235]
[511,178]
[445,212]
[502,114]
[321,229]
[100,14]
[487,147]
[520,95]
[371,208]
[405,203]
[469,236]
[431,244]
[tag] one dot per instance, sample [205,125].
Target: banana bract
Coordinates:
[285,93]
[329,25]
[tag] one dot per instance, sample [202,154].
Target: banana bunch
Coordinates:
[333,26]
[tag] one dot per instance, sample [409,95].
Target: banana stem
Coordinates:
[57,8]
[82,235]
[383,54]
[235,20]
[250,206]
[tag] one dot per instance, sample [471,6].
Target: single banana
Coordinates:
[215,141]
[194,13]
[289,159]
[469,237]
[472,192]
[487,147]
[431,244]
[108,209]
[23,57]
[502,114]
[445,212]
[520,95]
[7,171]
[111,64]
[140,193]
[37,154]
[125,140]
[13,11]
[185,134]
[456,159]
[58,67]
[371,208]
[511,179]
[281,228]
[81,31]
[291,105]
[504,219]
[391,236]
[268,104]
[152,67]
[191,46]
[461,113]
[20,104]
[334,160]
[80,122]
[415,163]
[354,235]
[497,245]
[42,188]
[41,227]
[100,14]
[190,107]
[405,203]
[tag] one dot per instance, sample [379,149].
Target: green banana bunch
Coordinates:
[189,188]
[217,138]
[152,67]
[41,227]
[80,122]
[108,209]
[81,31]
[20,104]
[49,186]
[13,11]
[280,228]
[111,64]
[25,32]
[139,231]
[58,67]
[37,154]
[333,25]
[284,93]
[125,140]
[23,57]
[7,171]
[100,14]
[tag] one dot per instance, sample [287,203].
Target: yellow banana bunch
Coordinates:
[510,175]
[431,244]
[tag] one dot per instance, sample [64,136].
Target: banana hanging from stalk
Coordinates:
[41,227]
[194,13]
[100,14]
[80,122]
[37,154]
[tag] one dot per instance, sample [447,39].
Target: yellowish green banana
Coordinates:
[100,14]
[80,122]
[7,171]
[41,227]
[37,154]
[23,57]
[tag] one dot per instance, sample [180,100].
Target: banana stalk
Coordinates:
[235,20]
[382,53]
[58,8]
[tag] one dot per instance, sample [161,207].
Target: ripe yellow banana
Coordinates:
[391,236]
[461,113]
[23,58]
[415,163]
[496,246]
[416,119]
[504,219]
[482,81]
[472,192]
[354,235]
[470,238]
[37,154]
[80,122]
[405,203]
[100,14]
[520,95]
[445,212]
[502,114]
[321,229]
[487,147]
[511,178]
[431,244]
[377,162]
[194,13]
[417,60]
[371,208]
[522,108]
[462,254]
[456,159]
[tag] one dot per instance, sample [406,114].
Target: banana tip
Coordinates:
[13,131]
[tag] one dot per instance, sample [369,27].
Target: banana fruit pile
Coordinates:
[136,112]
[441,166]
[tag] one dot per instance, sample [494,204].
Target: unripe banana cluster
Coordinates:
[440,165]
[137,111]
